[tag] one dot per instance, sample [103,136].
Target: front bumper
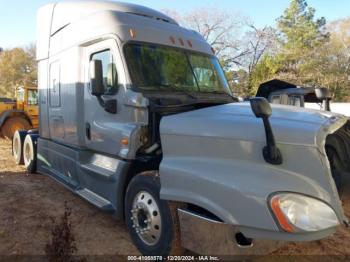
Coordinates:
[206,236]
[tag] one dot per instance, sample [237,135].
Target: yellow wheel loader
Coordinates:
[19,114]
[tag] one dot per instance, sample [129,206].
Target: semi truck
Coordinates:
[20,113]
[136,117]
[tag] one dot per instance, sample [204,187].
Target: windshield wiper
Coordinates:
[219,93]
[175,88]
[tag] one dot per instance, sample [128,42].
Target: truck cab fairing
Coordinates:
[212,158]
[90,20]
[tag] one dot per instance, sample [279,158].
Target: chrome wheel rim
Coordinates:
[146,219]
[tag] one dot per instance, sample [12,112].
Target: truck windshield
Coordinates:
[159,68]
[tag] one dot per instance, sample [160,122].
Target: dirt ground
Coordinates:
[28,201]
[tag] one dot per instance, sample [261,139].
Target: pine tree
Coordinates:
[299,30]
[300,36]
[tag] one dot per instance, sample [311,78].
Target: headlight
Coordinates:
[297,213]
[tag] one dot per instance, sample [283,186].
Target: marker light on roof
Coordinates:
[132,33]
[181,41]
[189,43]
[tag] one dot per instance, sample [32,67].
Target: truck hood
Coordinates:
[213,156]
[291,125]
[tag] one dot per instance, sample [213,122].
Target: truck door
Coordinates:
[103,130]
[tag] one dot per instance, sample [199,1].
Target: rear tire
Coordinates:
[152,223]
[29,153]
[17,146]
[13,124]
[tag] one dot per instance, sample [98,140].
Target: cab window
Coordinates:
[32,97]
[295,101]
[276,99]
[20,94]
[109,71]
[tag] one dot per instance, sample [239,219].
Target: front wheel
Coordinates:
[337,169]
[152,223]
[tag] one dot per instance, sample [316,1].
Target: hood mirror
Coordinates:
[262,109]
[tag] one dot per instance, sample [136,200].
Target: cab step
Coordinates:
[96,200]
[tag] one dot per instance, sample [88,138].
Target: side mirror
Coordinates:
[96,77]
[262,109]
[323,93]
[325,96]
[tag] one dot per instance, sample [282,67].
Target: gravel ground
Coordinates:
[28,202]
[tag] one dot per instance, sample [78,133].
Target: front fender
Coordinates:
[231,179]
[3,117]
[10,113]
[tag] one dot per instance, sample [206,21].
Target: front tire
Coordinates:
[337,169]
[152,223]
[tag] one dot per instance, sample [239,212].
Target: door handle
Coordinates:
[88,131]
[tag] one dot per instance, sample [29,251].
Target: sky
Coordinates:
[17,17]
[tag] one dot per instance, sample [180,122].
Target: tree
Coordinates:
[299,29]
[300,55]
[333,70]
[300,35]
[267,68]
[314,54]
[17,67]
[258,43]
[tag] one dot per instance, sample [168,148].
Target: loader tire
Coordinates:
[13,124]
[153,223]
[29,153]
[17,146]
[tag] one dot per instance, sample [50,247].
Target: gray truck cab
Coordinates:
[136,116]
